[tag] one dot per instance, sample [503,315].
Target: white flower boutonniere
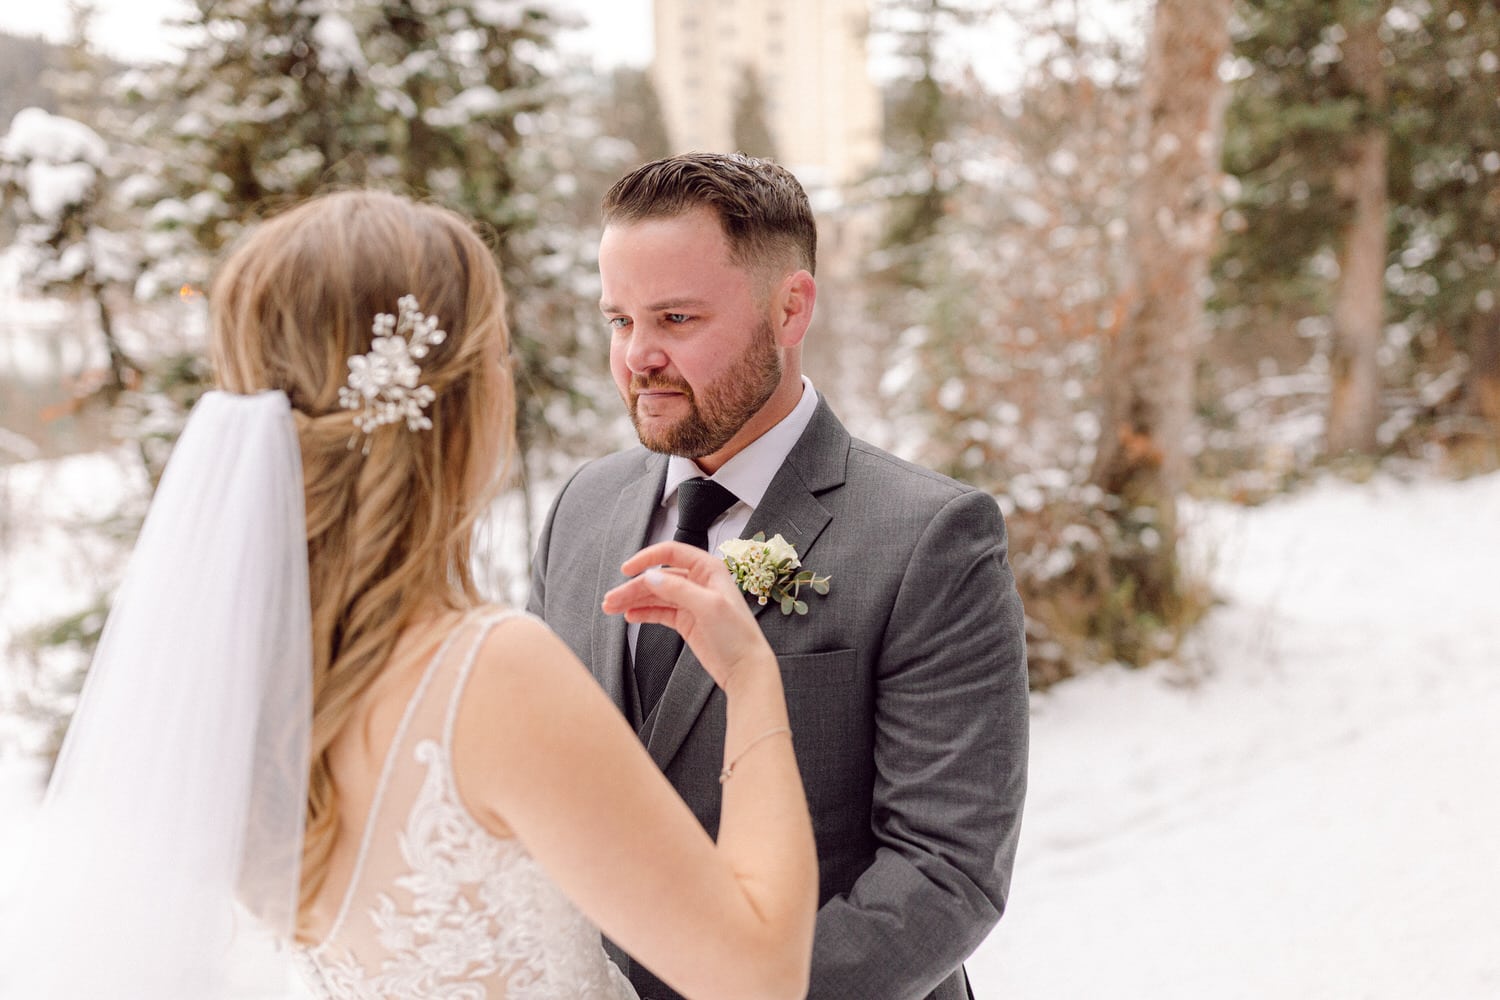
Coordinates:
[770,571]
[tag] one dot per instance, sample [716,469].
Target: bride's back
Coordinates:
[420,897]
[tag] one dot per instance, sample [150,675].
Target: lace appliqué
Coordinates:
[481,919]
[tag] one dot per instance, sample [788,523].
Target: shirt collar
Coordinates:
[749,473]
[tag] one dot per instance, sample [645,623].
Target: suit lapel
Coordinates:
[626,532]
[790,508]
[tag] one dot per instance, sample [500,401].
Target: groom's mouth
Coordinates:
[651,402]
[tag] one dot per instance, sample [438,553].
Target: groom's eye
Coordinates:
[618,322]
[678,318]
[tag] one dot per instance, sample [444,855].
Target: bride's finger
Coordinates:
[634,592]
[698,602]
[653,615]
[677,554]
[627,595]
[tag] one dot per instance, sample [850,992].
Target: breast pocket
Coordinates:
[834,668]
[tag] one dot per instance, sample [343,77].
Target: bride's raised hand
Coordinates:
[689,590]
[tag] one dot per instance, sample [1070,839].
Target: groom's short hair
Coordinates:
[763,210]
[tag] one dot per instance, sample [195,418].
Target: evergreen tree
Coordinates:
[471,94]
[750,130]
[54,177]
[1445,187]
[62,183]
[450,99]
[920,119]
[917,292]
[456,101]
[633,111]
[73,243]
[1314,102]
[267,109]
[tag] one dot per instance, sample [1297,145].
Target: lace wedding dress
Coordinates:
[438,908]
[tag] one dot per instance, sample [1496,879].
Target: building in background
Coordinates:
[808,57]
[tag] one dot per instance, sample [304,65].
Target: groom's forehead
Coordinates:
[665,266]
[701,227]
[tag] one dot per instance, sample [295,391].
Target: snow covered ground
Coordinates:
[1306,805]
[1303,805]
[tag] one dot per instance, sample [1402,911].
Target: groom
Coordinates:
[906,682]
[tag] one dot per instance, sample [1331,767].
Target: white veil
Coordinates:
[170,838]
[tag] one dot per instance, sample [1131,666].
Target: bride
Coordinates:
[303,723]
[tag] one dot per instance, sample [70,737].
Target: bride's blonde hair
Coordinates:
[390,519]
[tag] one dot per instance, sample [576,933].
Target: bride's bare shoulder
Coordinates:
[517,639]
[526,696]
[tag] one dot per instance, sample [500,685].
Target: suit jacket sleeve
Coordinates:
[950,758]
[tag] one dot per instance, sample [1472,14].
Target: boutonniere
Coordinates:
[770,571]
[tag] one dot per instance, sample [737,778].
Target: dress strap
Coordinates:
[487,620]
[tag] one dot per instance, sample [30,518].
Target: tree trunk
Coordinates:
[1149,366]
[1359,297]
[1484,367]
[122,371]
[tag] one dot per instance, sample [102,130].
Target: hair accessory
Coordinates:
[385,383]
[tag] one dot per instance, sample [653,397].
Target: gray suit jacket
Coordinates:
[906,685]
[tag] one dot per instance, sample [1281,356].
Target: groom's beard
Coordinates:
[724,406]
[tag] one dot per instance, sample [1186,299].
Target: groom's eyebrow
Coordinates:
[664,305]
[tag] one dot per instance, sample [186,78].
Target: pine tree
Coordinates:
[917,290]
[74,243]
[1444,283]
[1314,101]
[634,113]
[55,178]
[920,119]
[455,100]
[265,111]
[750,130]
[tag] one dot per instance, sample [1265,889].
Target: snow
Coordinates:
[51,339]
[475,102]
[36,135]
[16,446]
[51,564]
[1301,804]
[339,50]
[52,188]
[503,14]
[56,160]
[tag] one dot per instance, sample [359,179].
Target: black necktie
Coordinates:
[699,504]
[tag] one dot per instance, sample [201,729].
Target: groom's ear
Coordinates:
[792,308]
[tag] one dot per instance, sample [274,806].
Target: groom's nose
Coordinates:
[646,352]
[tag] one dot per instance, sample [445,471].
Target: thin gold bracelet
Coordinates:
[728,771]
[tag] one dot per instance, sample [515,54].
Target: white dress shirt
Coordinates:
[747,475]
